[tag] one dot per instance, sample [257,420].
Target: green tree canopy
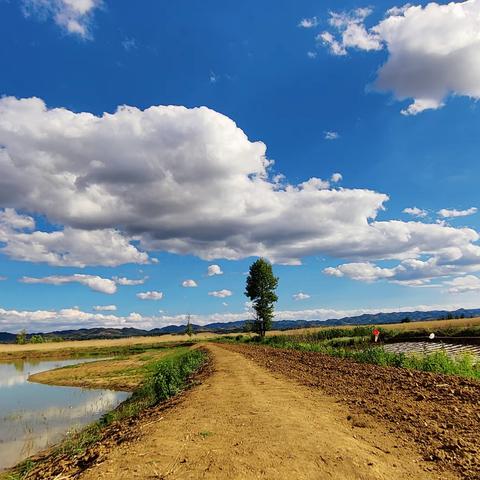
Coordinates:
[21,338]
[260,289]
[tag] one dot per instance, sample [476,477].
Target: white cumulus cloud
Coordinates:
[94,282]
[336,177]
[352,32]
[67,247]
[189,284]
[300,296]
[308,22]
[365,272]
[214,270]
[468,283]
[130,182]
[105,308]
[150,295]
[433,50]
[415,212]
[331,135]
[415,272]
[446,213]
[221,293]
[73,16]
[129,281]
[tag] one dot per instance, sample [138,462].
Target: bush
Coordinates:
[37,339]
[21,338]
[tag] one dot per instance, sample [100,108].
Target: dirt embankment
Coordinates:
[266,413]
[244,422]
[440,413]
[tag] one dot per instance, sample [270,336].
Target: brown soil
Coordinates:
[440,413]
[246,422]
[114,374]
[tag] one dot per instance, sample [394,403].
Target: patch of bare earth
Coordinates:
[440,413]
[246,422]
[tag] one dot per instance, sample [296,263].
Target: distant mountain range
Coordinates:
[365,319]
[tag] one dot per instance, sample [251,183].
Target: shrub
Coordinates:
[172,374]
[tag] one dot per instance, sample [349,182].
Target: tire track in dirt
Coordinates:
[245,422]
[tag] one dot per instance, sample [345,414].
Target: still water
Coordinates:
[34,416]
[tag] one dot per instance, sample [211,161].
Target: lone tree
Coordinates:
[260,289]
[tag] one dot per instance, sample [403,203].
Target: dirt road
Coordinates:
[244,422]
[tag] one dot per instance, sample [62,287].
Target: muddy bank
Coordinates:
[124,374]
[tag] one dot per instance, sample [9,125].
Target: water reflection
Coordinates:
[33,416]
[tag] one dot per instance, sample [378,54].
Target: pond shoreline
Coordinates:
[59,377]
[34,416]
[106,434]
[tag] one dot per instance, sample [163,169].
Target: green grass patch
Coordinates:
[21,472]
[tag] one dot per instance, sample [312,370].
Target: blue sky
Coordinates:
[155,195]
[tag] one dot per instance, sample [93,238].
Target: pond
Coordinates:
[35,416]
[430,347]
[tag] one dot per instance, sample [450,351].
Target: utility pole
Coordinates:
[189,329]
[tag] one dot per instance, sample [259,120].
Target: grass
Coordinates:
[389,333]
[22,471]
[425,325]
[166,378]
[342,336]
[358,348]
[87,351]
